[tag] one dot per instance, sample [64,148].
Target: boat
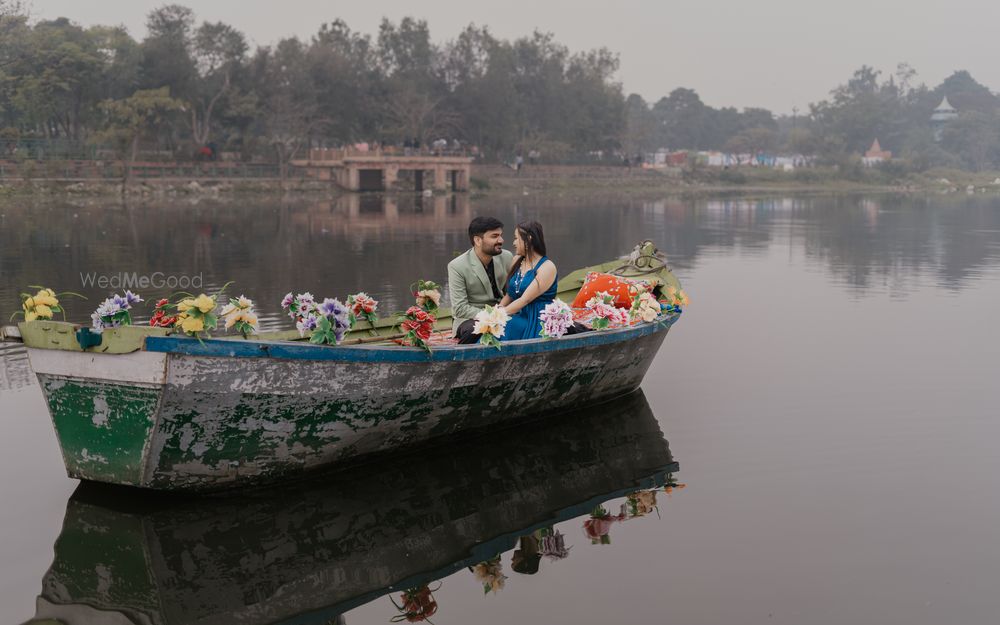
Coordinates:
[313,551]
[148,409]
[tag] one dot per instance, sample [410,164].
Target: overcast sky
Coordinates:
[771,53]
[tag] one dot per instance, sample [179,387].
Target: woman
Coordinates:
[532,283]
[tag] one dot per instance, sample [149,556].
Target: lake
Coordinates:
[813,444]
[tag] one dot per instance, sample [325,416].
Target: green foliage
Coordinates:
[503,95]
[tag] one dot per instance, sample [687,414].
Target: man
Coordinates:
[476,278]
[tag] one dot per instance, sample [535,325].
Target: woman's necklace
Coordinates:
[519,276]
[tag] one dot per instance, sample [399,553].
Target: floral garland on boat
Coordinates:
[606,314]
[43,304]
[556,319]
[114,312]
[490,325]
[362,306]
[428,295]
[417,325]
[239,314]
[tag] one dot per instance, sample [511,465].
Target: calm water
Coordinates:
[830,396]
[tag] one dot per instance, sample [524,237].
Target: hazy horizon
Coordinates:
[783,55]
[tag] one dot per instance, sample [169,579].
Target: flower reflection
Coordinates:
[598,527]
[552,544]
[418,604]
[490,574]
[672,484]
[641,503]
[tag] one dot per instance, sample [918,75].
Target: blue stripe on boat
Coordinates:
[228,348]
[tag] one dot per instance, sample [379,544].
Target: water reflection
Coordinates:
[317,549]
[380,244]
[15,370]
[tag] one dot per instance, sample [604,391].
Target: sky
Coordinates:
[776,54]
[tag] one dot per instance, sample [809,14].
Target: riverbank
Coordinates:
[556,180]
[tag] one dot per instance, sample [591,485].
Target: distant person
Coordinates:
[532,283]
[518,162]
[476,278]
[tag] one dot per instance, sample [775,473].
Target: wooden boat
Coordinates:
[156,411]
[313,550]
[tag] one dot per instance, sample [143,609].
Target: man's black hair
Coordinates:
[481,225]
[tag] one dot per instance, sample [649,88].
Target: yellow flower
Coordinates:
[231,320]
[251,319]
[204,303]
[43,311]
[192,324]
[30,316]
[185,305]
[28,303]
[46,292]
[46,299]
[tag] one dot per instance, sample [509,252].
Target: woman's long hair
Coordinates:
[534,241]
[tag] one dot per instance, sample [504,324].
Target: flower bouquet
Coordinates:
[42,305]
[644,307]
[606,314]
[418,604]
[160,318]
[239,314]
[114,312]
[491,322]
[299,306]
[362,306]
[490,574]
[197,314]
[675,300]
[417,325]
[556,319]
[329,323]
[428,295]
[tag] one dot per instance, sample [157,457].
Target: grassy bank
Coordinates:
[554,181]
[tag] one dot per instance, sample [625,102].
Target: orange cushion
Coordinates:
[622,289]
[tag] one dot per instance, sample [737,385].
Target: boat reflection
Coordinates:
[311,551]
[15,371]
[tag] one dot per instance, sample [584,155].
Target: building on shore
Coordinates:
[943,114]
[876,155]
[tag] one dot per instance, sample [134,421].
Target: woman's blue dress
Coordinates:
[526,323]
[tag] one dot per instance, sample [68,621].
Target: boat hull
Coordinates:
[185,415]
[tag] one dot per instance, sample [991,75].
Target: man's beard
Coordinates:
[492,250]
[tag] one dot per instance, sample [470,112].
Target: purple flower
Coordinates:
[286,301]
[332,308]
[306,324]
[131,299]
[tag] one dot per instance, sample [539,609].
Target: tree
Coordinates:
[975,138]
[129,119]
[290,112]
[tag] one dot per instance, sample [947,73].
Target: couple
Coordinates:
[488,275]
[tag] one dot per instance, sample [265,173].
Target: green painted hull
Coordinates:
[221,422]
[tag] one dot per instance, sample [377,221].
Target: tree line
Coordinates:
[189,84]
